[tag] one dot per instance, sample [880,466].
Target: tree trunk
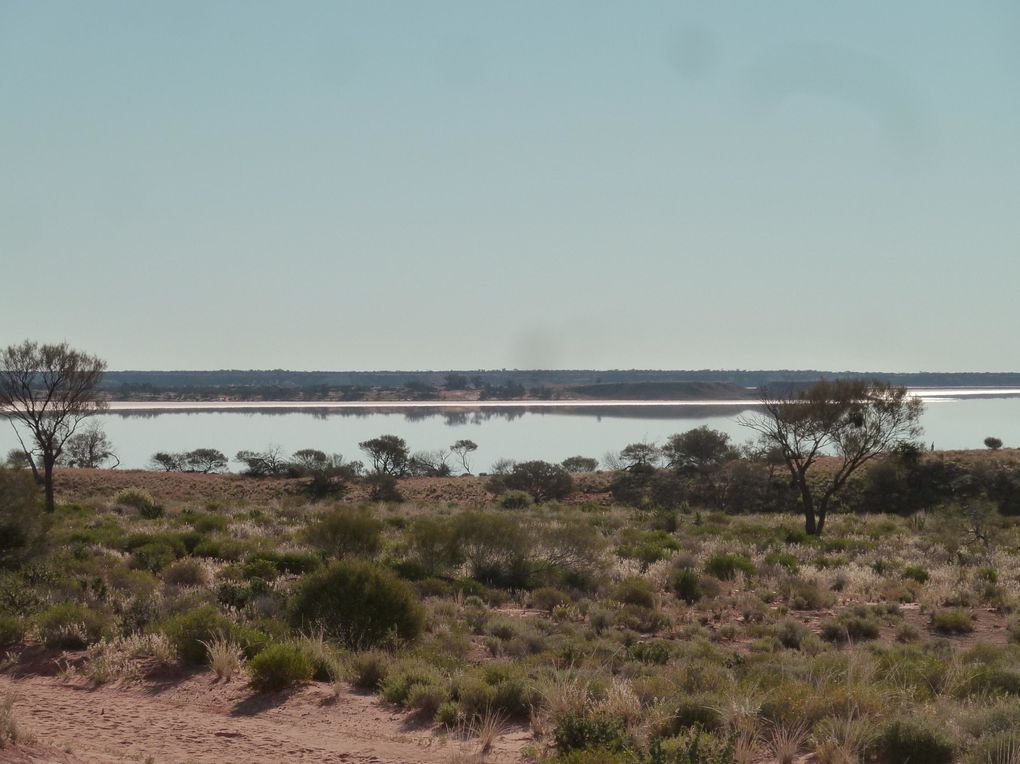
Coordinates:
[821,523]
[811,527]
[48,462]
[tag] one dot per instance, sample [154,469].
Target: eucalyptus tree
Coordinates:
[847,421]
[47,391]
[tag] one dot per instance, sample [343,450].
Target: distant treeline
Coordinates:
[493,384]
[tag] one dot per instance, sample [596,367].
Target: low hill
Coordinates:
[662,391]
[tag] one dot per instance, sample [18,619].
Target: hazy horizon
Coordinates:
[463,185]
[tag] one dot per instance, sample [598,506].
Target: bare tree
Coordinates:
[90,448]
[462,448]
[852,420]
[49,390]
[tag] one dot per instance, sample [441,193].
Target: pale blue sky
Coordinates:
[477,184]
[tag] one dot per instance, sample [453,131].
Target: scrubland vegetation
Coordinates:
[657,614]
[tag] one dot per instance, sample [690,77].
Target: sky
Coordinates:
[433,185]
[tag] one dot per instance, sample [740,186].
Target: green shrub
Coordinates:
[496,687]
[904,741]
[852,625]
[408,674]
[580,730]
[188,631]
[952,621]
[694,746]
[346,533]
[801,594]
[153,557]
[791,633]
[695,712]
[209,522]
[279,667]
[916,573]
[294,563]
[687,585]
[635,590]
[516,500]
[726,566]
[71,626]
[547,598]
[23,521]
[542,480]
[357,603]
[140,500]
[646,546]
[12,630]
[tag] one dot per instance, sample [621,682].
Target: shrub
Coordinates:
[579,730]
[791,633]
[189,632]
[369,669]
[279,667]
[910,740]
[410,673]
[357,603]
[69,625]
[140,500]
[12,630]
[516,500]
[635,590]
[726,566]
[687,585]
[544,481]
[547,598]
[852,625]
[23,522]
[498,687]
[186,572]
[993,443]
[952,621]
[916,573]
[346,533]
[153,556]
[694,746]
[383,487]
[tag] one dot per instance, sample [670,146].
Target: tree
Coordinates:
[268,463]
[580,464]
[701,449]
[993,443]
[429,464]
[49,390]
[205,460]
[388,453]
[167,461]
[89,449]
[640,457]
[854,420]
[462,448]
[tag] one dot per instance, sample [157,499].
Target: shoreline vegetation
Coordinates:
[497,386]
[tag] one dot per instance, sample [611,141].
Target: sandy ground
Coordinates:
[197,719]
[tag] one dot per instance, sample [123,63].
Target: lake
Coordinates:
[516,430]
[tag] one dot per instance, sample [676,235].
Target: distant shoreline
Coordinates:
[929,394]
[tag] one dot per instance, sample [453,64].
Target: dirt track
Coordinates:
[199,720]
